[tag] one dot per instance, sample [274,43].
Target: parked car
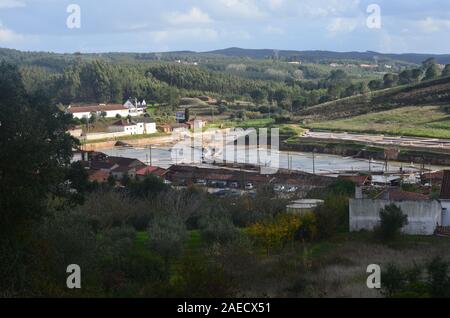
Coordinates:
[278,188]
[292,189]
[249,186]
[201,182]
[234,185]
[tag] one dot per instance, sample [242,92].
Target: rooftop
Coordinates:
[396,194]
[157,171]
[358,180]
[94,108]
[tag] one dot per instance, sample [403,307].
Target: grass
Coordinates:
[426,121]
[249,123]
[331,268]
[131,137]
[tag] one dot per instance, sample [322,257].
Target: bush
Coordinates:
[276,234]
[392,221]
[150,187]
[167,235]
[393,280]
[202,278]
[107,209]
[438,278]
[332,216]
[414,283]
[218,229]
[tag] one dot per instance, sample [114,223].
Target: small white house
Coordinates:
[132,128]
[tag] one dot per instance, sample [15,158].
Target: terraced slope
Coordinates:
[430,93]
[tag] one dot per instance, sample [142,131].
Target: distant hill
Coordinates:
[329,55]
[434,93]
[292,55]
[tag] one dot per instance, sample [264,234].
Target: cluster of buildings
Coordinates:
[101,167]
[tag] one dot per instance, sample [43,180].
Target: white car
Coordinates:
[292,189]
[249,186]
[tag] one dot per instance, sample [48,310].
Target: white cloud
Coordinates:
[185,35]
[194,16]
[431,25]
[275,4]
[238,8]
[9,36]
[342,25]
[7,4]
[327,8]
[273,30]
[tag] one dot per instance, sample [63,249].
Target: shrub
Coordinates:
[392,221]
[393,280]
[438,278]
[332,216]
[218,229]
[167,235]
[276,234]
[202,278]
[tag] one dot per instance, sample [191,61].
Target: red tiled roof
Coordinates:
[122,161]
[95,108]
[399,195]
[98,176]
[157,171]
[358,180]
[445,189]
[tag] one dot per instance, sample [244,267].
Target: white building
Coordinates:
[146,127]
[109,111]
[425,216]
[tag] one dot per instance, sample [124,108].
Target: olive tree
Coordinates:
[167,235]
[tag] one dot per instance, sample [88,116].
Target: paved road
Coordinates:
[430,143]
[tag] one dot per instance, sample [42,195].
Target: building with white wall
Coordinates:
[109,111]
[425,216]
[129,127]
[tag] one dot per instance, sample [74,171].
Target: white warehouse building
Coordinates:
[108,110]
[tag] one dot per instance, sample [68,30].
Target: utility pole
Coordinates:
[314,161]
[151,159]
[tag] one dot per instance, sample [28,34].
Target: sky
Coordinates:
[387,26]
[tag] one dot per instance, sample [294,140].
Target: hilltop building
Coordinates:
[107,110]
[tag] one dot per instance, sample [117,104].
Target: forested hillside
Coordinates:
[164,78]
[433,92]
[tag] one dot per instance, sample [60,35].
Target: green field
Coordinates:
[426,121]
